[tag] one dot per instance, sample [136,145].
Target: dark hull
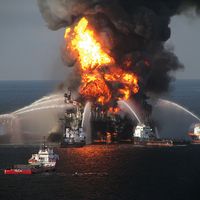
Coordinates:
[155,143]
[72,145]
[195,142]
[42,169]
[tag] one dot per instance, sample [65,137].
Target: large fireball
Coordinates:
[99,71]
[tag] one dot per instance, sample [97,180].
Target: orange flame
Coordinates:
[113,110]
[90,53]
[94,86]
[92,59]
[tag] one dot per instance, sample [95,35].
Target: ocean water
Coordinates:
[115,172]
[100,172]
[17,94]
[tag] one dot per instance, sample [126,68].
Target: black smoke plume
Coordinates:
[133,29]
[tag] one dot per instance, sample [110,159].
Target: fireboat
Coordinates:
[44,161]
[145,136]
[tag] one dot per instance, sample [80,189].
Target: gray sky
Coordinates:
[29,51]
[186,41]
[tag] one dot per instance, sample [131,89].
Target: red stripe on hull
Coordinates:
[17,171]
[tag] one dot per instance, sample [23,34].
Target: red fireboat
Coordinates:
[43,161]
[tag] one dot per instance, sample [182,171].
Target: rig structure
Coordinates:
[73,134]
[108,125]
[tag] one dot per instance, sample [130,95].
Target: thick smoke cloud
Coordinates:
[136,29]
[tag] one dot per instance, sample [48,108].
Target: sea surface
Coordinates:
[115,172]
[102,172]
[16,94]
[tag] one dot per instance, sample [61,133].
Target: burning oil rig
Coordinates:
[108,125]
[117,49]
[104,81]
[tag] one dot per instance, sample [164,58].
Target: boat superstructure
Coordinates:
[144,135]
[44,161]
[45,157]
[143,132]
[194,134]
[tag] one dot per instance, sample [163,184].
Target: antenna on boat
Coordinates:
[44,142]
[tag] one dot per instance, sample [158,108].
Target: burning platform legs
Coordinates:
[72,124]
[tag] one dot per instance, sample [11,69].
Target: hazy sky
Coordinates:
[29,51]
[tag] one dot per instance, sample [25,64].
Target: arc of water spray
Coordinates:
[86,123]
[41,101]
[38,104]
[4,116]
[126,104]
[179,106]
[86,108]
[7,118]
[45,98]
[43,108]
